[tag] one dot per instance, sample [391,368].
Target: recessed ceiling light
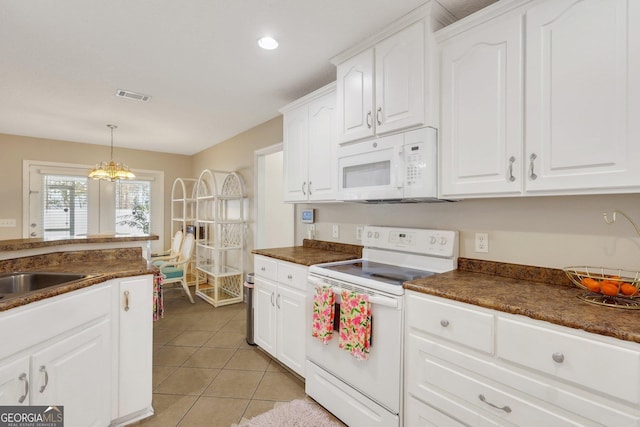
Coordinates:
[268,43]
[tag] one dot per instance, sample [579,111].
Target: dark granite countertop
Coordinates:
[101,265]
[313,252]
[21,244]
[522,292]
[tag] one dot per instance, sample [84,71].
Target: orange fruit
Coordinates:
[591,284]
[609,288]
[628,289]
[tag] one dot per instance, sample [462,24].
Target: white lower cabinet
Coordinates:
[280,311]
[76,350]
[534,374]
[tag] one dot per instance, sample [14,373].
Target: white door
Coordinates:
[296,141]
[135,305]
[75,373]
[400,80]
[14,382]
[322,148]
[292,322]
[481,132]
[264,312]
[583,83]
[355,97]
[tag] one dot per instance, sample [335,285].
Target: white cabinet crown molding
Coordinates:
[308,97]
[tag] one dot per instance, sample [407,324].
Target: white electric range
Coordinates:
[369,392]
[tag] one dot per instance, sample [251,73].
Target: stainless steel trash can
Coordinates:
[248,300]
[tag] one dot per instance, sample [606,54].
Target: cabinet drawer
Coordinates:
[453,322]
[266,267]
[293,275]
[493,400]
[603,367]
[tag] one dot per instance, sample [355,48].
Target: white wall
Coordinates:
[544,231]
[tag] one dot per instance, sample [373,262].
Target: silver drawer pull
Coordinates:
[511,161]
[289,277]
[263,269]
[501,408]
[43,369]
[23,377]
[558,357]
[444,323]
[126,300]
[532,158]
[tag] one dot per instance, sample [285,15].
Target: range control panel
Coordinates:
[442,243]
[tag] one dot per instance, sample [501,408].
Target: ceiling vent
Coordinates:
[132,95]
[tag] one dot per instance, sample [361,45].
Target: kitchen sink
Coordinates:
[12,284]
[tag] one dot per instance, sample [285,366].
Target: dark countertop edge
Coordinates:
[21,244]
[313,252]
[93,279]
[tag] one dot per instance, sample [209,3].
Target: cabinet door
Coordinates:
[355,97]
[291,328]
[264,312]
[296,141]
[136,344]
[582,91]
[14,382]
[400,80]
[322,150]
[481,133]
[75,372]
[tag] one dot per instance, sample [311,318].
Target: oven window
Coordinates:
[367,175]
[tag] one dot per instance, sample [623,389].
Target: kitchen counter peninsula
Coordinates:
[313,252]
[539,293]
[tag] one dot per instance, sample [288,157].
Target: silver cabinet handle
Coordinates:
[272,295]
[23,377]
[511,162]
[126,300]
[444,323]
[558,357]
[33,234]
[369,116]
[43,369]
[289,277]
[532,158]
[310,188]
[263,269]
[379,115]
[303,188]
[278,301]
[501,408]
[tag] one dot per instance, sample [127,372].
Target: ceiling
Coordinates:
[62,62]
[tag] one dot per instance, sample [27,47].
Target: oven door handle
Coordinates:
[373,299]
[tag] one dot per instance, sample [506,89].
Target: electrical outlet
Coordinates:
[482,242]
[7,222]
[336,231]
[359,230]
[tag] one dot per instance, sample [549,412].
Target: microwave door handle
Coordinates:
[400,165]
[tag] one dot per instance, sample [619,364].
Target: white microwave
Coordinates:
[395,168]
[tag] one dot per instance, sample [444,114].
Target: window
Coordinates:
[64,206]
[61,202]
[133,205]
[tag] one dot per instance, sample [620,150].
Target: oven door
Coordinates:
[371,170]
[379,378]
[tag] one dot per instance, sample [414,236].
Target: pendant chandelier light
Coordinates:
[111,171]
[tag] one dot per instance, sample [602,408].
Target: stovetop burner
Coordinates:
[387,273]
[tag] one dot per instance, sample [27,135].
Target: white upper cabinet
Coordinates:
[539,97]
[310,168]
[384,84]
[583,92]
[481,132]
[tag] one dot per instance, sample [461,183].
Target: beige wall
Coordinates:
[237,154]
[14,149]
[545,231]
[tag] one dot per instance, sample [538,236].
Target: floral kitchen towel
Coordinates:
[158,301]
[323,314]
[355,324]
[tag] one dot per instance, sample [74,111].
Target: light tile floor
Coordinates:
[204,372]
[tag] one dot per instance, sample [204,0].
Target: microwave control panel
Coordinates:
[414,164]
